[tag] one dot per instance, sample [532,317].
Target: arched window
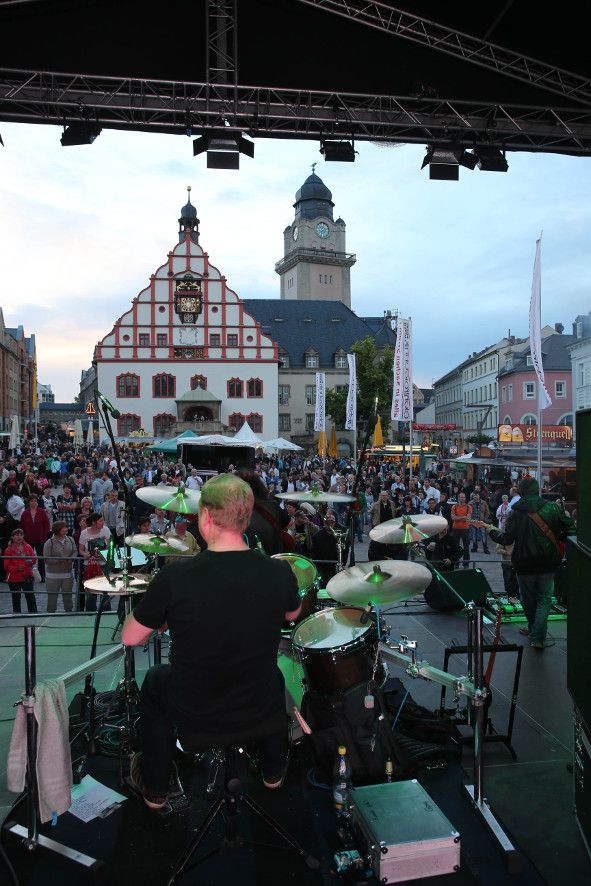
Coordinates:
[235,387]
[566,419]
[256,422]
[128,423]
[254,387]
[163,385]
[507,420]
[199,381]
[236,420]
[128,385]
[528,419]
[163,423]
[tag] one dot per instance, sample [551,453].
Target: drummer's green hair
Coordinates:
[229,500]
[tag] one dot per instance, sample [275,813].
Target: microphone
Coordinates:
[107,404]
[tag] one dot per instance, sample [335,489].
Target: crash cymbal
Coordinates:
[135,584]
[312,495]
[303,569]
[156,544]
[171,498]
[407,530]
[380,582]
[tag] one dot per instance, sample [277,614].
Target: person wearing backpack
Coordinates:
[536,528]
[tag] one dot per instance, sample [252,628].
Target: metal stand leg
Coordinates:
[476,791]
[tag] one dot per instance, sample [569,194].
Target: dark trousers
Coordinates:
[463,537]
[26,588]
[159,719]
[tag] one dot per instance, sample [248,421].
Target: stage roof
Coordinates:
[512,74]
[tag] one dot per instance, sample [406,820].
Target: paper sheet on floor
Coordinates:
[91,799]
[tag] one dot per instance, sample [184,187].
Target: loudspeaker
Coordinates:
[470,584]
[583,420]
[578,648]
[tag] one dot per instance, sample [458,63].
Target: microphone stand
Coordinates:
[354,506]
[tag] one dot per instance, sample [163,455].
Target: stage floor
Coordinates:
[532,795]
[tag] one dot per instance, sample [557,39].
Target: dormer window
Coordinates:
[340,359]
[312,359]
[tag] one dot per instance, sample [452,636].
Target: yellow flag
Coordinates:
[378,438]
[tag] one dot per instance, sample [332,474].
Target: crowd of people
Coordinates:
[60,507]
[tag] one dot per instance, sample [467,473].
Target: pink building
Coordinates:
[518,385]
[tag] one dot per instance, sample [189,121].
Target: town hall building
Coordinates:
[187,354]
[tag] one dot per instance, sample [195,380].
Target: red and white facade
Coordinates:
[187,352]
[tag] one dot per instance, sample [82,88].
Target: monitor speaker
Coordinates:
[583,429]
[470,584]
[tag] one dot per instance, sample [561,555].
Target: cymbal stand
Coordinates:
[340,536]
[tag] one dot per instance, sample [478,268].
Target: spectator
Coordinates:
[60,552]
[19,559]
[36,528]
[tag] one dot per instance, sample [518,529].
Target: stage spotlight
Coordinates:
[442,163]
[466,158]
[82,132]
[491,159]
[344,152]
[223,149]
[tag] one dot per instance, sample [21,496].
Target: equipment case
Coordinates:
[406,835]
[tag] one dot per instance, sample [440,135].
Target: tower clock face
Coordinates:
[188,299]
[295,233]
[322,230]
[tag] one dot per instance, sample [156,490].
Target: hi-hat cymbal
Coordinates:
[407,530]
[156,544]
[171,498]
[380,582]
[135,584]
[303,569]
[312,495]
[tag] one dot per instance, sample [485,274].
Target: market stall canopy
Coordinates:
[247,435]
[171,446]
[280,443]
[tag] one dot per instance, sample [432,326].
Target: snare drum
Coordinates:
[306,576]
[335,648]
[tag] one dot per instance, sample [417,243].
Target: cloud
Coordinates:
[84,227]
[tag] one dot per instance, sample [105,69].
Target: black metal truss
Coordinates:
[400,23]
[169,106]
[221,42]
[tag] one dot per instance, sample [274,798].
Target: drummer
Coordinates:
[215,690]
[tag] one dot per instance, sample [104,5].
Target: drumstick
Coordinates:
[305,728]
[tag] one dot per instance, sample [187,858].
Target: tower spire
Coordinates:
[188,220]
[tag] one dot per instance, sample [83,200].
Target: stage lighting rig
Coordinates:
[81,132]
[341,151]
[223,148]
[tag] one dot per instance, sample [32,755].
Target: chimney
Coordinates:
[559,328]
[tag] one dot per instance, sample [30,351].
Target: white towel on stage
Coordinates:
[54,760]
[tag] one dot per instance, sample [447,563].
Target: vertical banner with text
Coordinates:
[320,411]
[351,408]
[535,328]
[402,405]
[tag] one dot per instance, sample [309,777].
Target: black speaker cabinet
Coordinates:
[470,584]
[583,427]
[582,773]
[578,647]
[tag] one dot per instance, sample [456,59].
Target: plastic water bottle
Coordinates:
[342,784]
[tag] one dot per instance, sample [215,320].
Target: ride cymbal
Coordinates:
[135,584]
[407,530]
[156,544]
[379,582]
[171,498]
[312,496]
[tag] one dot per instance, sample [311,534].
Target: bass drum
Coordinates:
[336,650]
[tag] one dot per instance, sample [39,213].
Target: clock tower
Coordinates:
[315,263]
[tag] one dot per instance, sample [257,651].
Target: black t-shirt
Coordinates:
[224,611]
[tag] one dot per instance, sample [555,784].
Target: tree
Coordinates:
[374,378]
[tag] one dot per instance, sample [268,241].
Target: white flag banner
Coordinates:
[320,411]
[351,408]
[535,327]
[402,405]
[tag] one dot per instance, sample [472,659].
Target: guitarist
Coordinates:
[535,527]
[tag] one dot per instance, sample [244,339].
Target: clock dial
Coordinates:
[296,233]
[188,303]
[322,230]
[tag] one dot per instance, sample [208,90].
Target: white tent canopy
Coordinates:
[215,440]
[247,435]
[281,443]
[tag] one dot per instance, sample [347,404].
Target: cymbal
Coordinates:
[407,530]
[380,582]
[155,544]
[136,584]
[312,495]
[303,569]
[171,498]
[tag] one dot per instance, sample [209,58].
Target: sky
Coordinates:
[82,228]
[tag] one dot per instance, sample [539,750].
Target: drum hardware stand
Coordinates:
[472,685]
[340,536]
